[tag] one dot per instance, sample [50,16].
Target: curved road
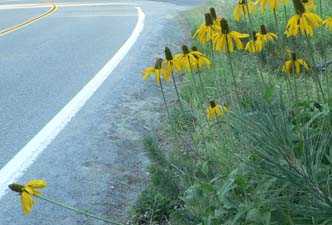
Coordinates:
[96,162]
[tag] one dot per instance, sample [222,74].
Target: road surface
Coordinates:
[96,162]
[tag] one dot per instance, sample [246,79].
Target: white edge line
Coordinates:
[16,167]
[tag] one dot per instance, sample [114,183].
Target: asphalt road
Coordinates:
[96,162]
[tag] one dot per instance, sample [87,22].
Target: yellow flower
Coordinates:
[215,110]
[188,59]
[303,21]
[255,45]
[171,62]
[27,192]
[309,5]
[206,31]
[202,60]
[224,39]
[328,23]
[242,9]
[265,36]
[294,65]
[272,3]
[157,70]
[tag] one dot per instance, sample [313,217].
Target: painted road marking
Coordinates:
[68,4]
[28,22]
[16,167]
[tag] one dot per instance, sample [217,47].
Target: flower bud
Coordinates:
[299,7]
[168,54]
[212,104]
[208,19]
[158,63]
[185,49]
[263,29]
[16,187]
[224,26]
[213,13]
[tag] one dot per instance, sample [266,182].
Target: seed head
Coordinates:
[168,54]
[16,187]
[263,29]
[212,104]
[213,13]
[158,63]
[185,49]
[194,49]
[208,19]
[294,56]
[299,7]
[224,26]
[254,34]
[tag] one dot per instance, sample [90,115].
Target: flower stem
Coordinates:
[85,213]
[232,71]
[163,94]
[177,92]
[316,76]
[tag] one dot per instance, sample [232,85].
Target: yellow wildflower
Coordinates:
[272,3]
[202,61]
[215,110]
[303,21]
[255,45]
[188,59]
[224,40]
[294,65]
[215,19]
[242,9]
[309,5]
[328,23]
[206,31]
[27,192]
[171,62]
[157,70]
[265,36]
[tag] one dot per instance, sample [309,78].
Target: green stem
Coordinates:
[316,76]
[232,70]
[177,92]
[85,213]
[163,94]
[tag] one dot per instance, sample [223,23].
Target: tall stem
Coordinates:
[177,92]
[232,70]
[85,213]
[163,94]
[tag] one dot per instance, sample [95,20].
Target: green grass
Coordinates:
[265,161]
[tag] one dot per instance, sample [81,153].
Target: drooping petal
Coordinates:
[27,202]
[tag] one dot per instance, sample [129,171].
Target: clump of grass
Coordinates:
[266,159]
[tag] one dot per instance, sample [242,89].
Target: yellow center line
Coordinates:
[30,21]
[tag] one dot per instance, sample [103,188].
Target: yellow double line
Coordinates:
[30,21]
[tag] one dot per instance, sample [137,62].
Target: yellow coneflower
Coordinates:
[272,3]
[255,45]
[215,19]
[328,23]
[224,39]
[215,110]
[294,65]
[157,70]
[265,36]
[202,61]
[189,59]
[309,5]
[171,62]
[27,191]
[242,9]
[303,21]
[206,31]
